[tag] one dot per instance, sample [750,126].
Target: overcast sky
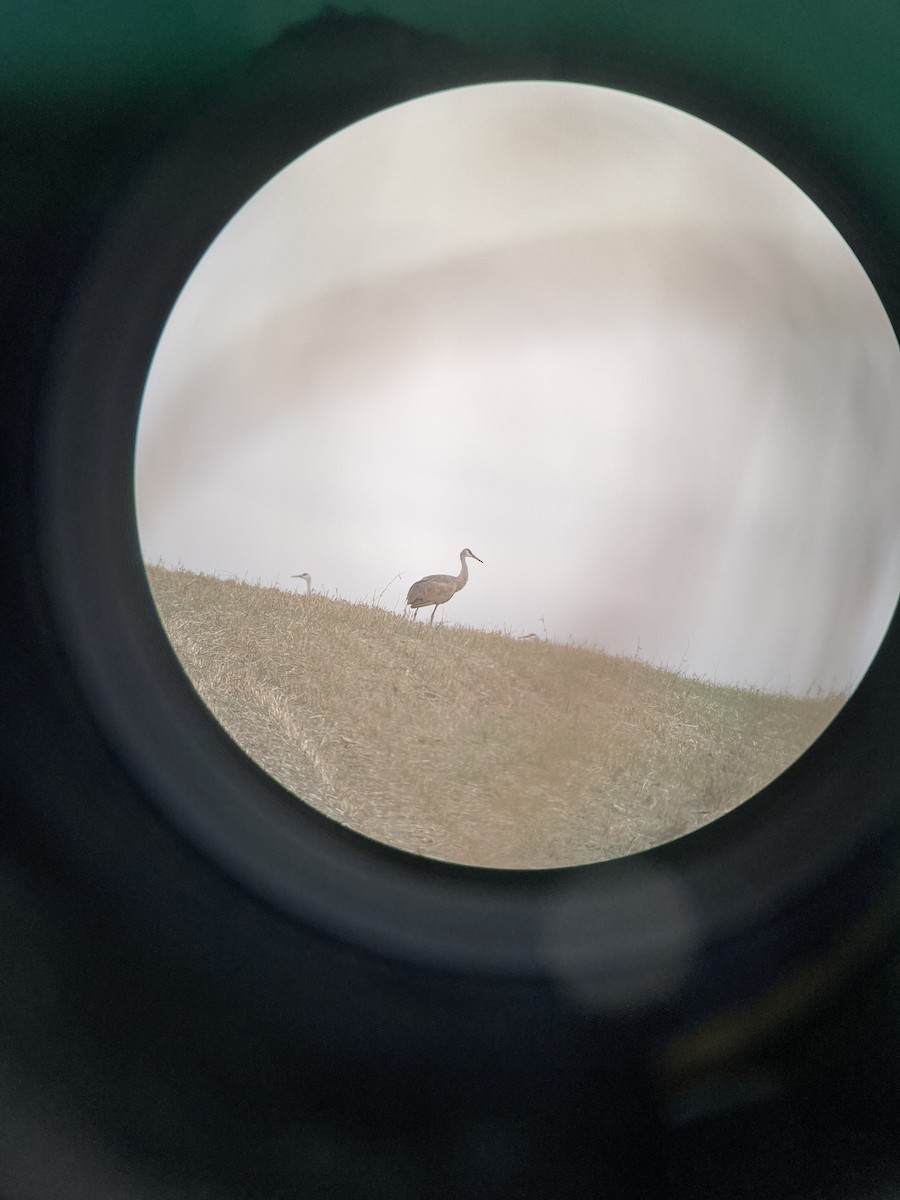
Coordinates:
[596,340]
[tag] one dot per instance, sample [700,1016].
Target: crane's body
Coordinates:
[438,589]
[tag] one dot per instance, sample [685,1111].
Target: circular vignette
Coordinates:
[779,877]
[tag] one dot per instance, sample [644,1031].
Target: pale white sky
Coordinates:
[598,341]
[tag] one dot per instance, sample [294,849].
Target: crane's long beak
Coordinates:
[477,559]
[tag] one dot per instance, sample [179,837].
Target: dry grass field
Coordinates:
[472,746]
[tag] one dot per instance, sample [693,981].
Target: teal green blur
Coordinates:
[828,70]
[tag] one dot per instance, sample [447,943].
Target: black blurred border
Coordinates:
[169,1027]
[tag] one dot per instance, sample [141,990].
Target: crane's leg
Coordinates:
[433,611]
[415,613]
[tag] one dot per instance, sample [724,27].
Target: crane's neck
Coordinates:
[463,576]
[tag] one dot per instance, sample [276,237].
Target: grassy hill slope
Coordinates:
[467,745]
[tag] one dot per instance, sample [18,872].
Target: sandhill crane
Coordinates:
[438,589]
[305,575]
